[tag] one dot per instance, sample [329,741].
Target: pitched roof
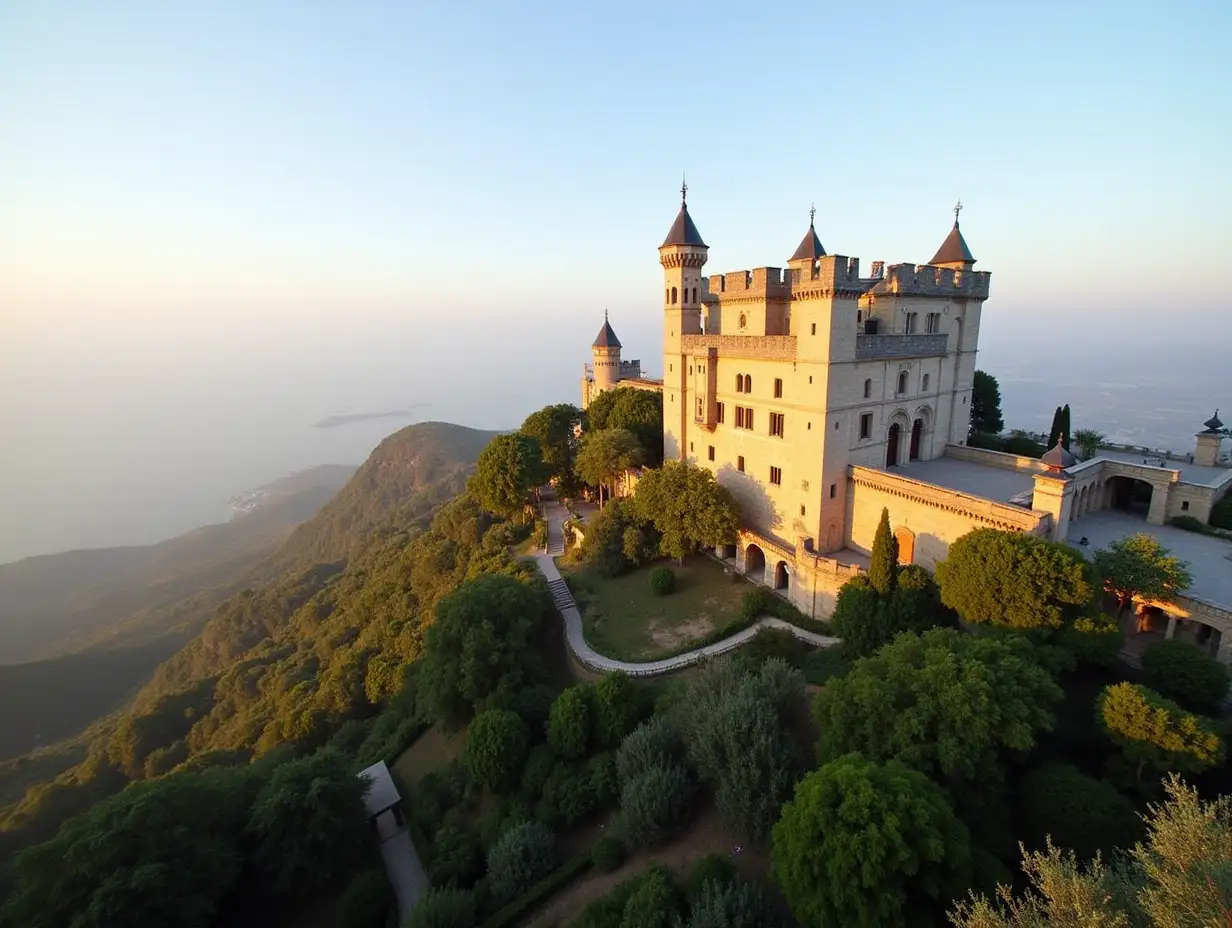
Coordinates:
[606,337]
[1057,456]
[683,231]
[953,250]
[810,246]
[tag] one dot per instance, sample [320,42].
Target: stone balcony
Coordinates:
[885,347]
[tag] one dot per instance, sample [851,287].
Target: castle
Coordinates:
[819,396]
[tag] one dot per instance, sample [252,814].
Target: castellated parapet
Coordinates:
[928,280]
[761,283]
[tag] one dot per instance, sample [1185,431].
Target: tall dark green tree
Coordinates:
[986,405]
[883,563]
[508,472]
[1065,427]
[556,430]
[1054,433]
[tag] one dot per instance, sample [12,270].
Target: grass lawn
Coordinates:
[624,620]
[431,752]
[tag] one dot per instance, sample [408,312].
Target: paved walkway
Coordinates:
[405,871]
[555,514]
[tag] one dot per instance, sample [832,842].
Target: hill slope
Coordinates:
[57,603]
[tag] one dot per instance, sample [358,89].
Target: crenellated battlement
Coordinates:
[761,282]
[928,280]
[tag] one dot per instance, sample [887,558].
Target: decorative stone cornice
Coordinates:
[682,259]
[986,512]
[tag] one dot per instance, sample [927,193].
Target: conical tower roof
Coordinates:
[683,231]
[606,337]
[1057,457]
[954,249]
[810,246]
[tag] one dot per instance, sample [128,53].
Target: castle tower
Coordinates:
[606,352]
[810,250]
[682,254]
[954,251]
[1209,439]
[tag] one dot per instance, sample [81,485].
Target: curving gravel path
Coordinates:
[555,514]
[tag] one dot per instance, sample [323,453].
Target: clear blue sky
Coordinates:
[257,160]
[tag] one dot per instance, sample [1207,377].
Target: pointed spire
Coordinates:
[1213,424]
[810,246]
[606,337]
[683,231]
[1057,458]
[954,249]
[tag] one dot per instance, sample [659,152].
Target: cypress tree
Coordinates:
[1055,432]
[1065,427]
[883,564]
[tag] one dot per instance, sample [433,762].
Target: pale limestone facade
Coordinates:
[819,397]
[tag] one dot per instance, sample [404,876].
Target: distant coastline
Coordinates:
[349,418]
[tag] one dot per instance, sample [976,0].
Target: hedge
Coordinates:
[549,886]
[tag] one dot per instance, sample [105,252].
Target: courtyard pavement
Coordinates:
[1210,558]
[554,513]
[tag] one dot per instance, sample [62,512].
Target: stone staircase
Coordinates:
[556,539]
[561,595]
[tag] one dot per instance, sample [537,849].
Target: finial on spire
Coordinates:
[957,209]
[684,189]
[812,213]
[605,314]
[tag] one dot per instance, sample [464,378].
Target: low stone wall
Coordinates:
[995,458]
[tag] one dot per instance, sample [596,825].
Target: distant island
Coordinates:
[334,421]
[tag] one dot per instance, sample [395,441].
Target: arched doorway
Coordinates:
[892,445]
[906,544]
[754,562]
[781,575]
[917,430]
[1130,495]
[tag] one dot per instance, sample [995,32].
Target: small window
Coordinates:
[810,426]
[909,323]
[718,413]
[776,476]
[673,295]
[1185,506]
[694,294]
[833,490]
[810,378]
[690,370]
[740,383]
[711,453]
[868,388]
[932,323]
[690,446]
[700,407]
[866,425]
[748,383]
[902,382]
[776,424]
[814,329]
[836,425]
[925,385]
[740,463]
[801,510]
[778,388]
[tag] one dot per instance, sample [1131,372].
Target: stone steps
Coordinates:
[561,595]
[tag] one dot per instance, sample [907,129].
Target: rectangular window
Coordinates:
[740,463]
[690,446]
[866,425]
[778,388]
[814,329]
[833,490]
[776,424]
[1185,506]
[776,476]
[718,413]
[744,417]
[909,323]
[801,510]
[932,323]
[700,407]
[711,453]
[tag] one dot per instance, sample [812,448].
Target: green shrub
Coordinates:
[496,747]
[1180,671]
[569,722]
[540,765]
[367,901]
[1221,512]
[654,743]
[662,581]
[567,795]
[656,901]
[602,778]
[539,537]
[516,911]
[1077,812]
[456,858]
[1096,641]
[522,856]
[756,602]
[654,804]
[734,904]
[711,869]
[619,704]
[444,908]
[608,854]
[1189,524]
[776,643]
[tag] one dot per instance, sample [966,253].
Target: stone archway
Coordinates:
[906,544]
[917,432]
[1130,495]
[892,445]
[754,562]
[782,576]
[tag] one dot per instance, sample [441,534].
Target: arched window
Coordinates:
[667,295]
[740,383]
[926,379]
[673,295]
[902,382]
[748,383]
[868,388]
[694,294]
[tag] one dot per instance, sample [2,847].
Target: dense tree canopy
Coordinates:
[605,455]
[569,724]
[639,411]
[1058,801]
[688,508]
[1180,876]
[1181,671]
[994,577]
[865,619]
[480,650]
[1139,566]
[496,746]
[618,539]
[510,469]
[1155,732]
[555,429]
[962,705]
[869,844]
[986,405]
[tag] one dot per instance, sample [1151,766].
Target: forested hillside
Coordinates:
[285,662]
